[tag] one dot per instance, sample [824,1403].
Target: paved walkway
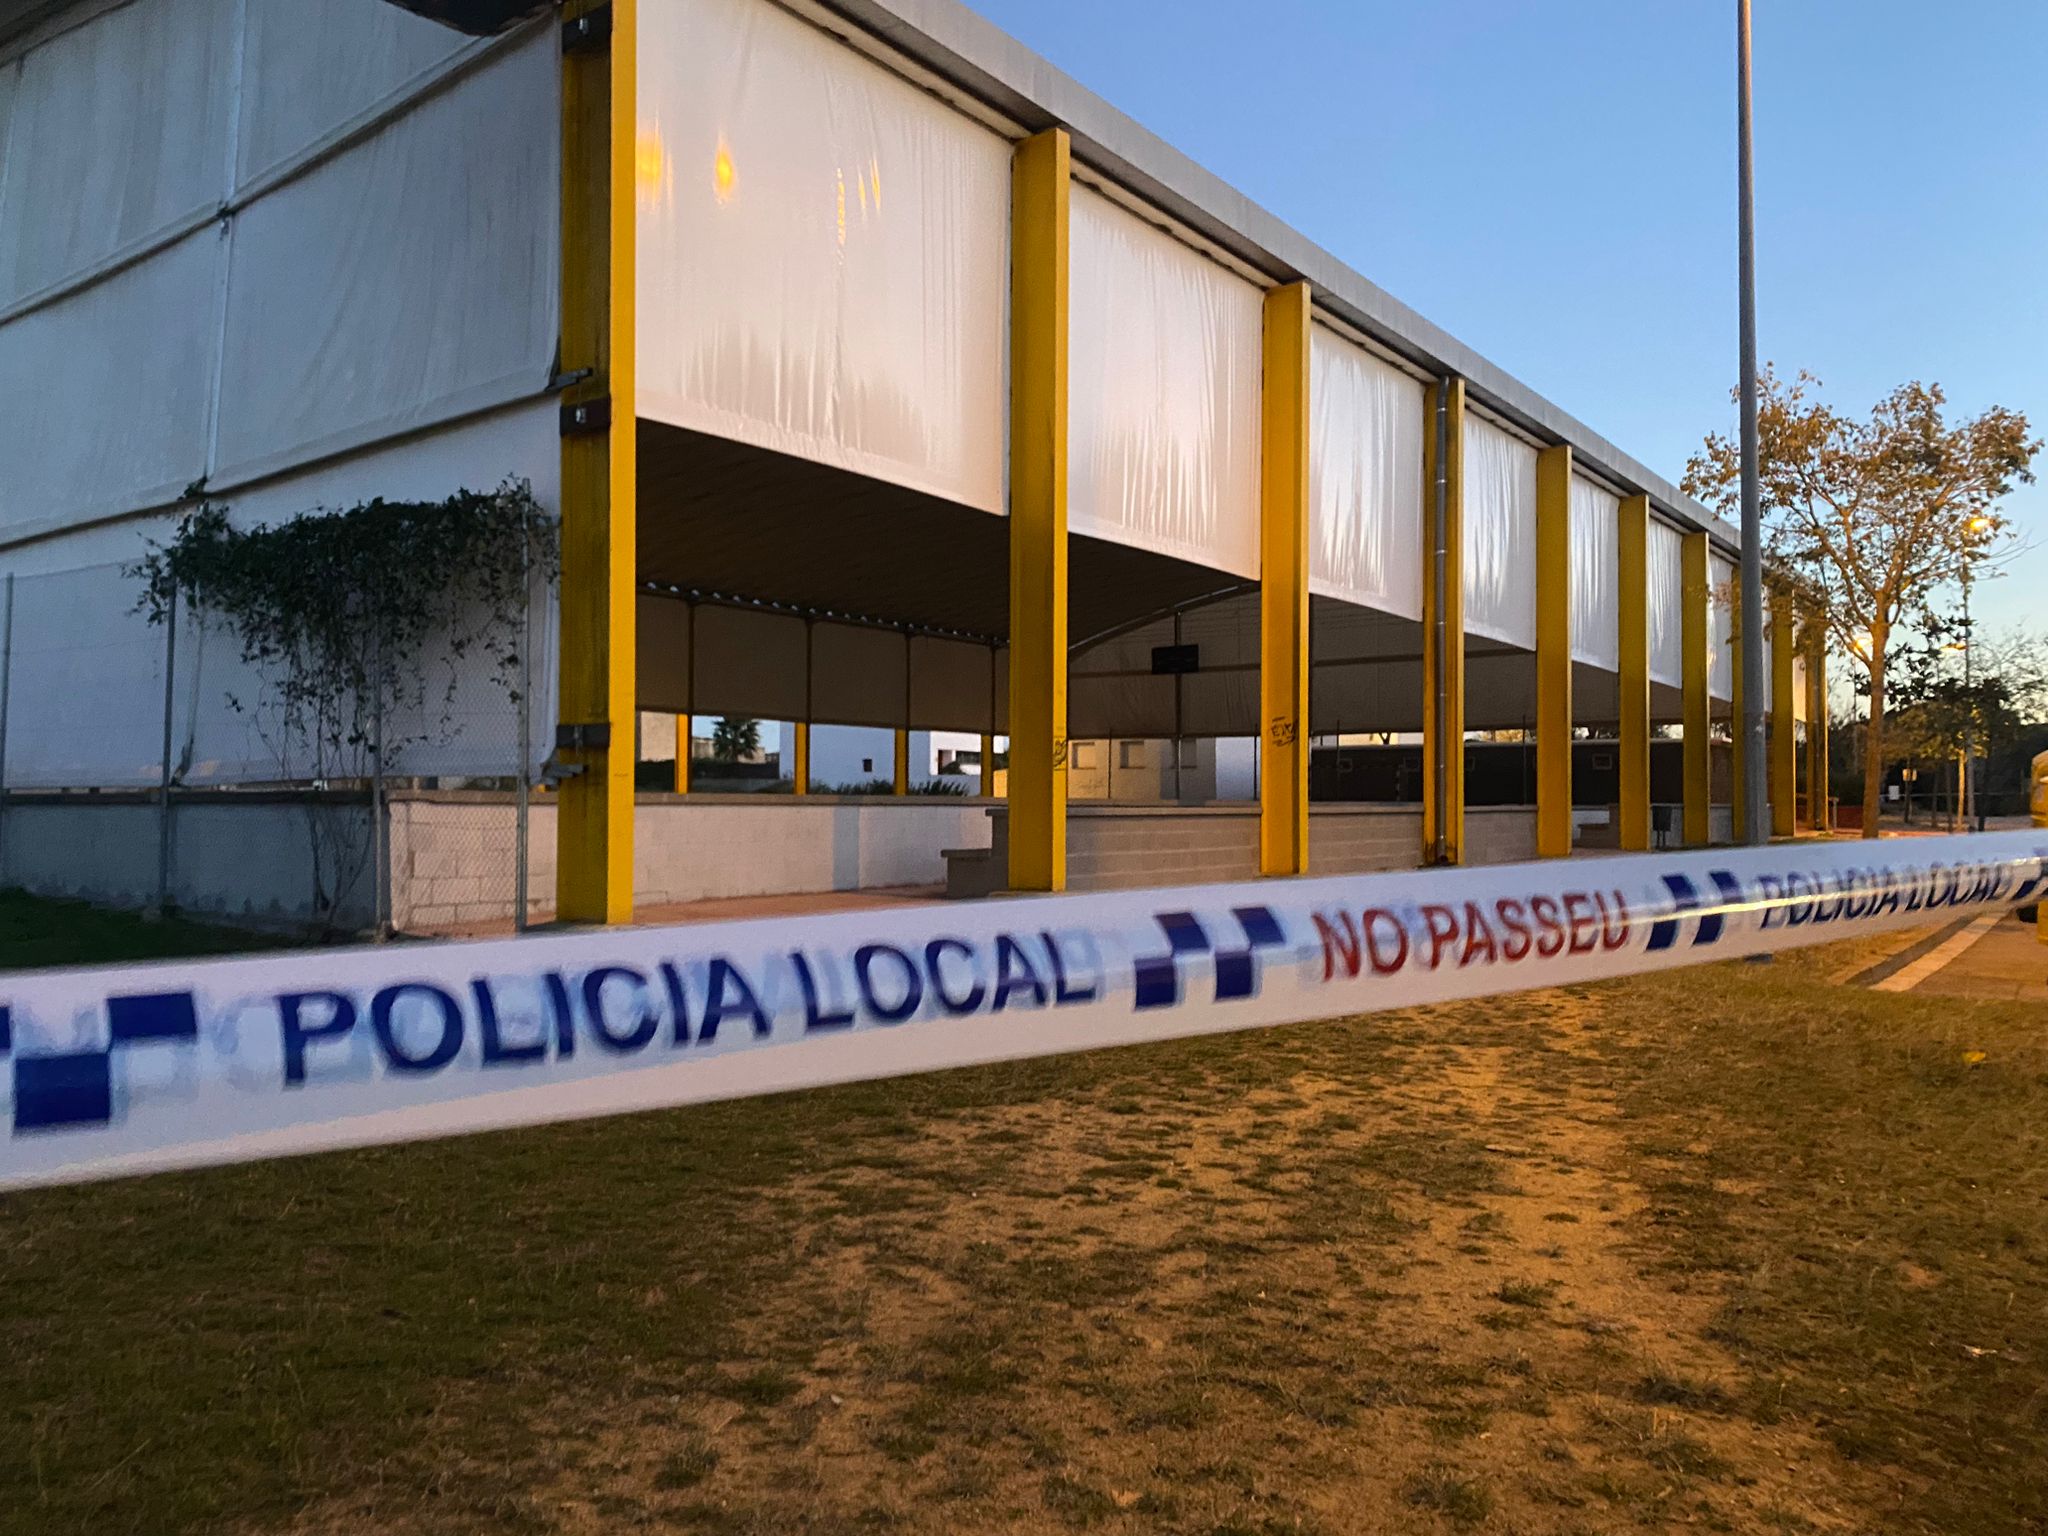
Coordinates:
[2008,961]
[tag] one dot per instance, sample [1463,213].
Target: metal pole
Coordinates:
[1751,724]
[6,681]
[1440,514]
[163,809]
[379,905]
[521,796]
[1970,705]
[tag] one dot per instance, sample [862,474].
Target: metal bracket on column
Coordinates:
[589,32]
[583,417]
[593,737]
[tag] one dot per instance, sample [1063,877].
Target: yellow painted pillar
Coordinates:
[1696,589]
[1040,187]
[1817,725]
[988,763]
[902,778]
[1784,746]
[1632,550]
[1554,652]
[594,836]
[1283,585]
[682,754]
[1443,666]
[801,741]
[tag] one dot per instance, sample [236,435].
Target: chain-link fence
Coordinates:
[147,764]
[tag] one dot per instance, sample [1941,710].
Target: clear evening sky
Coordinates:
[1553,181]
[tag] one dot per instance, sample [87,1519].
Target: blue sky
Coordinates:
[1553,181]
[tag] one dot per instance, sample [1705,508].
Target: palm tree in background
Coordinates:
[735,737]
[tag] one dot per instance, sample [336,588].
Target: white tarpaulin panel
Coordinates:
[1667,611]
[1113,691]
[859,675]
[661,680]
[1720,628]
[1365,478]
[747,662]
[106,391]
[409,280]
[1163,401]
[1596,575]
[86,683]
[119,128]
[824,253]
[1770,675]
[1799,710]
[1500,534]
[951,685]
[312,66]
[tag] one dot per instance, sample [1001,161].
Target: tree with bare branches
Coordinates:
[1877,515]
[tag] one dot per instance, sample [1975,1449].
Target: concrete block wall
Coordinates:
[1363,839]
[1500,834]
[240,857]
[453,854]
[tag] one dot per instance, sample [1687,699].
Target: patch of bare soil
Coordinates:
[1406,1292]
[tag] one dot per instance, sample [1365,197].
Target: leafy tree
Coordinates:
[735,737]
[1878,515]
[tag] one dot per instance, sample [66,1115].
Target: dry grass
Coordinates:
[1729,1250]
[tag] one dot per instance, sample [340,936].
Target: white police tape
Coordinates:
[176,1065]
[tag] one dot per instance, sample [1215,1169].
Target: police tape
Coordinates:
[161,1066]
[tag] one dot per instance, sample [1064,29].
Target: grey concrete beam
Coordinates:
[968,51]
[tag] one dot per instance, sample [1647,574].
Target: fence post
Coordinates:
[163,809]
[6,679]
[520,793]
[380,885]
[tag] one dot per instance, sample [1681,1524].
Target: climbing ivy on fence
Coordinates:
[359,621]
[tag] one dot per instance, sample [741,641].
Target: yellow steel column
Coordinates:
[1283,585]
[1443,667]
[902,777]
[1554,652]
[1784,747]
[1817,817]
[1695,586]
[1040,183]
[682,754]
[988,764]
[801,741]
[1632,549]
[594,837]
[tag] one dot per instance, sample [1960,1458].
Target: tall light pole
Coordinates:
[1752,810]
[1976,526]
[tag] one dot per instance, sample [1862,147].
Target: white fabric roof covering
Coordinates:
[119,129]
[374,291]
[1720,628]
[1500,534]
[824,253]
[310,67]
[410,279]
[1163,406]
[1365,477]
[92,427]
[1596,575]
[1667,604]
